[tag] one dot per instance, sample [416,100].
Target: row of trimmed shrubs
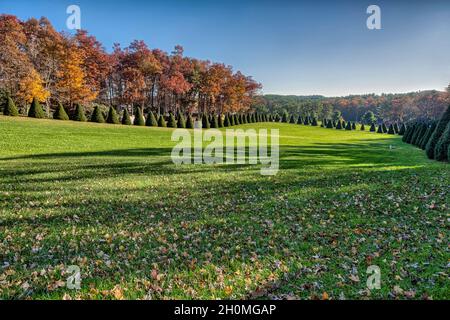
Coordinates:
[152,120]
[431,136]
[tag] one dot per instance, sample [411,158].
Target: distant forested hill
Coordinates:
[386,107]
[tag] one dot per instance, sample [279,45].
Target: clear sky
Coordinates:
[291,47]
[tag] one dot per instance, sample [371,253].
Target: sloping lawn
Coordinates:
[108,199]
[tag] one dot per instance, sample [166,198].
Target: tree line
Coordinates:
[37,62]
[424,105]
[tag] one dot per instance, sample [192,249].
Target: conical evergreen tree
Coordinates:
[97,115]
[214,122]
[220,120]
[78,114]
[205,122]
[60,113]
[139,118]
[441,150]
[396,128]
[189,122]
[36,110]
[306,122]
[402,129]
[285,118]
[181,122]
[383,126]
[161,121]
[348,127]
[226,121]
[427,135]
[10,108]
[232,122]
[248,116]
[339,125]
[151,120]
[172,123]
[391,129]
[380,129]
[277,118]
[372,127]
[363,128]
[418,135]
[353,126]
[409,132]
[299,120]
[112,116]
[330,124]
[436,135]
[236,120]
[292,119]
[126,120]
[314,122]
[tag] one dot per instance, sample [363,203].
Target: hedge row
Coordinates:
[431,136]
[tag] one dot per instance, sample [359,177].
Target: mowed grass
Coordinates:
[108,199]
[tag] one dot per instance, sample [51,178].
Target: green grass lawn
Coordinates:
[108,199]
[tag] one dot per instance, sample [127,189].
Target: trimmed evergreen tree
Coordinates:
[441,150]
[151,120]
[363,128]
[126,120]
[220,120]
[292,119]
[314,122]
[391,129]
[97,115]
[372,127]
[409,133]
[344,124]
[112,116]
[36,110]
[236,120]
[214,121]
[396,128]
[380,129]
[330,124]
[427,135]
[226,121]
[172,123]
[189,122]
[353,126]
[348,127]
[181,122]
[306,122]
[205,122]
[78,114]
[161,121]
[402,130]
[60,113]
[300,120]
[383,126]
[277,117]
[139,118]
[440,128]
[10,108]
[339,125]
[248,116]
[233,122]
[418,135]
[285,118]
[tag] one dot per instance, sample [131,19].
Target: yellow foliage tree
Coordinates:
[70,84]
[31,87]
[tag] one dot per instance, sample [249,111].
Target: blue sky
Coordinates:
[291,47]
